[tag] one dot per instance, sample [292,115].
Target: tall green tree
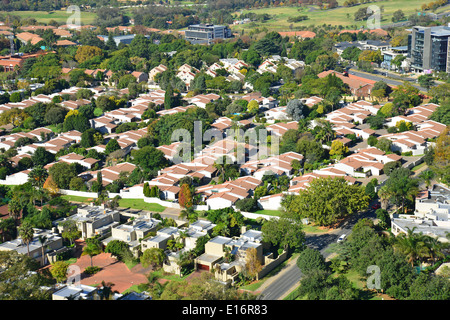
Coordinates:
[327,200]
[26,233]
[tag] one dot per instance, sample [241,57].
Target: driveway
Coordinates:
[112,271]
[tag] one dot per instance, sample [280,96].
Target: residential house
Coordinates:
[53,243]
[431,217]
[359,87]
[93,220]
[133,232]
[366,162]
[156,70]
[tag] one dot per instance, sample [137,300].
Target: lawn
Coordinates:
[339,16]
[275,213]
[54,128]
[423,164]
[77,199]
[60,16]
[140,205]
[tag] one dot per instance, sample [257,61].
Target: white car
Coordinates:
[341,238]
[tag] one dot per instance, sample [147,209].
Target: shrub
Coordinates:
[92,270]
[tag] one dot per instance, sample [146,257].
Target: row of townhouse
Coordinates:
[226,194]
[109,174]
[168,180]
[366,162]
[201,100]
[39,134]
[107,74]
[277,165]
[416,141]
[186,73]
[279,113]
[271,64]
[414,115]
[25,103]
[62,141]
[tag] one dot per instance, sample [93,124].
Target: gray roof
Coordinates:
[426,227]
[439,31]
[220,240]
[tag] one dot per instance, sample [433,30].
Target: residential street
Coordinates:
[288,279]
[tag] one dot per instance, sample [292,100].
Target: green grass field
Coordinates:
[77,199]
[60,16]
[339,16]
[138,204]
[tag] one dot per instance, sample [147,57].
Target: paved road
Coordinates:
[378,77]
[290,277]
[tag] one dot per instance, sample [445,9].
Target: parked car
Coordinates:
[342,237]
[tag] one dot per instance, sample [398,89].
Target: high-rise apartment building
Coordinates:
[429,48]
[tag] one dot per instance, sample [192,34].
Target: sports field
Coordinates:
[339,16]
[61,16]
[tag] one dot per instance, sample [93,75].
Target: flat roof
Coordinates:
[220,240]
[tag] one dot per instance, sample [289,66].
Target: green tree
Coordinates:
[62,173]
[327,200]
[92,249]
[412,245]
[338,148]
[70,230]
[42,157]
[310,260]
[26,233]
[285,232]
[18,279]
[37,176]
[426,81]
[59,270]
[112,146]
[118,249]
[153,257]
[429,287]
[401,187]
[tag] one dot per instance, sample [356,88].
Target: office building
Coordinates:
[428,48]
[205,33]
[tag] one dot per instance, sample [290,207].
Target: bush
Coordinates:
[247,205]
[92,270]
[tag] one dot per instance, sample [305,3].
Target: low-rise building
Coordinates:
[431,217]
[133,231]
[93,220]
[53,243]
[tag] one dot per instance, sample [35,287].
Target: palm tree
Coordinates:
[14,208]
[7,228]
[325,131]
[37,176]
[26,232]
[427,176]
[92,249]
[384,196]
[42,241]
[413,245]
[435,247]
[105,291]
